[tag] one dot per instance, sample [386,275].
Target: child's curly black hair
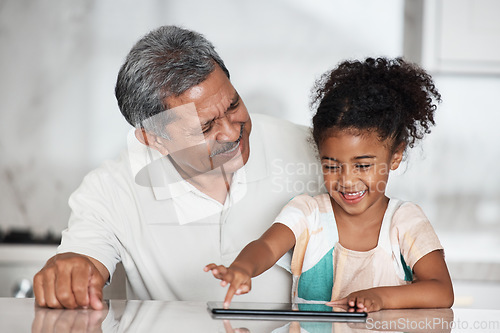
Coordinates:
[395,98]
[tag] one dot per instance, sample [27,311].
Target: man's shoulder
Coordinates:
[110,170]
[268,122]
[289,153]
[282,135]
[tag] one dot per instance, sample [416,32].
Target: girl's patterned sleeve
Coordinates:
[416,236]
[295,216]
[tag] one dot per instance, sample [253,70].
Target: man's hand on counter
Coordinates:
[70,280]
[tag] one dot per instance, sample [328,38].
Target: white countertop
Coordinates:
[21,315]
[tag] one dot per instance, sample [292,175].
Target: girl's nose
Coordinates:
[347,177]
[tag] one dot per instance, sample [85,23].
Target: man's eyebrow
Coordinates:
[329,158]
[206,122]
[234,100]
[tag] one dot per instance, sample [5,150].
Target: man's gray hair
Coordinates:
[166,62]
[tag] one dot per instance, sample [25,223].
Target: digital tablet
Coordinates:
[284,311]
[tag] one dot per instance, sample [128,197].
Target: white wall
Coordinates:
[59,60]
[59,119]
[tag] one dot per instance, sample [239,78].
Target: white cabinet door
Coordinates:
[461,36]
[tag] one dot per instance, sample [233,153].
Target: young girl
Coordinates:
[354,246]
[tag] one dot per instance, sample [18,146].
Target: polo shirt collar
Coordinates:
[256,167]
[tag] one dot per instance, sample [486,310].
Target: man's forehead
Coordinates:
[219,97]
[208,108]
[190,117]
[186,113]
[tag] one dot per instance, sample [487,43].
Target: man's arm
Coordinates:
[70,280]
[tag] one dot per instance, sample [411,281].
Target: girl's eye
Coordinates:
[331,167]
[364,166]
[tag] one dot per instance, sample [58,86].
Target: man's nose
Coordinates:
[227,130]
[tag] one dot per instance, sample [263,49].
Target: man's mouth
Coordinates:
[236,146]
[228,147]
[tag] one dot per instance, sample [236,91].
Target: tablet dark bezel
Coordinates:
[262,311]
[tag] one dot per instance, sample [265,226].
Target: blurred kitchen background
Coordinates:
[59,119]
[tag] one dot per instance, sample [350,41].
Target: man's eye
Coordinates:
[234,106]
[207,128]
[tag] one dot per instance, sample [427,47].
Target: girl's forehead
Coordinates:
[354,142]
[352,131]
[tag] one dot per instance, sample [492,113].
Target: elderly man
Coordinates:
[200,179]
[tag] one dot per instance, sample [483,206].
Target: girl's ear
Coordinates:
[397,156]
[151,140]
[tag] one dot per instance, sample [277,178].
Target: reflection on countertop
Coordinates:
[21,315]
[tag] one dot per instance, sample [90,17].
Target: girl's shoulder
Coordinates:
[402,218]
[410,225]
[408,213]
[412,234]
[311,204]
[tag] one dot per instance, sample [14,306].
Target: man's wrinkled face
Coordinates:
[211,127]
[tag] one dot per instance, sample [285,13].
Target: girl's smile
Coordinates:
[353,197]
[356,167]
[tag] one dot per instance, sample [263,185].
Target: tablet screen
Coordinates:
[284,311]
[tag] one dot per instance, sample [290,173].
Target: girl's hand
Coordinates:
[364,300]
[240,281]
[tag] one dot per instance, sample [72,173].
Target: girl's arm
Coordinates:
[255,258]
[432,289]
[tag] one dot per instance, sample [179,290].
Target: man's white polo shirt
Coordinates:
[165,231]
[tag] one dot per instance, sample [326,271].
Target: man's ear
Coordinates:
[151,140]
[397,156]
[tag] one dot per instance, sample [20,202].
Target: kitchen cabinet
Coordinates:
[453,36]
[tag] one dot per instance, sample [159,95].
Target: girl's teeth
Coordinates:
[354,194]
